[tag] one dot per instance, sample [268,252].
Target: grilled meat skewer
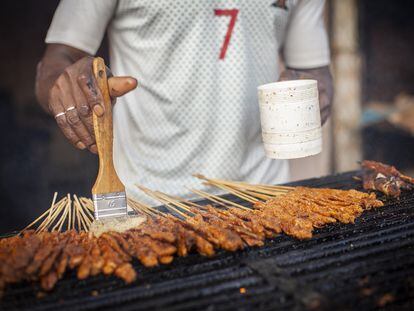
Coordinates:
[46,256]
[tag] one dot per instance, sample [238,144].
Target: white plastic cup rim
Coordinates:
[285,85]
[288,92]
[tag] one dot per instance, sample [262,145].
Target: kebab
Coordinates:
[45,256]
[384,178]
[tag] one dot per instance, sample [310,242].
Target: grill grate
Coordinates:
[361,266]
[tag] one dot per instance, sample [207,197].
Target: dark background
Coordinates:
[387,45]
[386,31]
[36,160]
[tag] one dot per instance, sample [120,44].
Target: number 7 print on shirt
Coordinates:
[233,17]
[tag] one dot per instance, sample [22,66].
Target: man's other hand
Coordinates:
[325,85]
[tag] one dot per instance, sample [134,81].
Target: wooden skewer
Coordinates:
[47,220]
[143,210]
[78,218]
[270,190]
[218,200]
[174,201]
[208,196]
[81,219]
[44,214]
[167,204]
[73,216]
[85,212]
[69,218]
[239,184]
[242,183]
[268,187]
[235,192]
[69,213]
[260,190]
[84,218]
[174,208]
[52,210]
[65,213]
[258,195]
[84,225]
[56,210]
[245,191]
[61,217]
[186,201]
[141,207]
[136,207]
[88,203]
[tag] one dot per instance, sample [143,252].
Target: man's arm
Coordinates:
[325,85]
[66,88]
[306,50]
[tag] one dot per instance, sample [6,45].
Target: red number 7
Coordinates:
[233,14]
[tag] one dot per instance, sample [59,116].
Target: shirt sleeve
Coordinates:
[81,23]
[306,42]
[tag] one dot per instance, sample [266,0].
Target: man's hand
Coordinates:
[67,89]
[325,86]
[75,95]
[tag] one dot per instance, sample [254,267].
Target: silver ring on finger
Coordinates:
[70,108]
[60,114]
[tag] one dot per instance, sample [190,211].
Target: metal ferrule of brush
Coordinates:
[110,205]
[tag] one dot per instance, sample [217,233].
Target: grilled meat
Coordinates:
[45,256]
[142,252]
[385,178]
[223,238]
[126,272]
[226,220]
[304,209]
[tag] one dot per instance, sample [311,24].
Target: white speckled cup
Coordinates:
[290,118]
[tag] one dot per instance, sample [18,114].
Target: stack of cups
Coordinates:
[290,118]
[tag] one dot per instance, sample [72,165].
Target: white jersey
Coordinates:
[198,64]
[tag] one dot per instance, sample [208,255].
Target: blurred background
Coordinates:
[372,47]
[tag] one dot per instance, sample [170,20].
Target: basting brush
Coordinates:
[108,192]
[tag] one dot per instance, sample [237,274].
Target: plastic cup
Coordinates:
[290,119]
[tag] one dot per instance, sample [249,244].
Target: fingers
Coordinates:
[325,106]
[70,100]
[63,101]
[288,75]
[291,74]
[83,111]
[59,112]
[92,94]
[119,86]
[325,113]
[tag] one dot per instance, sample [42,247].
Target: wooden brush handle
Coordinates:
[107,180]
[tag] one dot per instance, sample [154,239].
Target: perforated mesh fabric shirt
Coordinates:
[198,64]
